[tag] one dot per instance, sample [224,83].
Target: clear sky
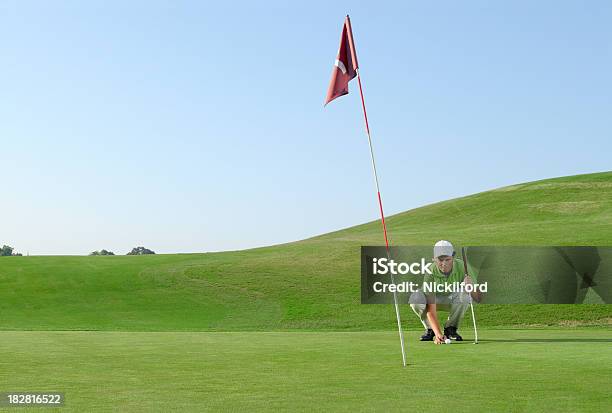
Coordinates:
[194,126]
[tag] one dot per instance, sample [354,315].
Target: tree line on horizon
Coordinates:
[134,251]
[8,251]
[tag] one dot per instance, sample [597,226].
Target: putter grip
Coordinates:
[464,260]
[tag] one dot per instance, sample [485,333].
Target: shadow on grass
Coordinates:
[546,340]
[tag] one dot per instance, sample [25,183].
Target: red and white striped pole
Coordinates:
[382,216]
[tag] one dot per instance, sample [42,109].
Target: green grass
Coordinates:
[511,370]
[307,285]
[282,327]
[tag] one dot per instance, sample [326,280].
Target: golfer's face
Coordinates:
[444,263]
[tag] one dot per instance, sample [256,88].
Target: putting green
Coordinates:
[510,370]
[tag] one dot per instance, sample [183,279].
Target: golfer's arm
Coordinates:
[432,317]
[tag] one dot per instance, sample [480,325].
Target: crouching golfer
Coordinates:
[447,269]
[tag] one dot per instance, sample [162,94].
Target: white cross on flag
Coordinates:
[345,67]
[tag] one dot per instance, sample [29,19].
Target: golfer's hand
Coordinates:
[474,294]
[439,339]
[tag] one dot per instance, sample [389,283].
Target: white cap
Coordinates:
[443,248]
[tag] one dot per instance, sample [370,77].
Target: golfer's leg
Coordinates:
[458,306]
[419,310]
[418,303]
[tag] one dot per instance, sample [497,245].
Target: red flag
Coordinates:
[345,67]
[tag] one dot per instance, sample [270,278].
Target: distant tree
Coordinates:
[140,251]
[103,252]
[6,251]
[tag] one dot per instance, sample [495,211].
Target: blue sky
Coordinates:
[189,126]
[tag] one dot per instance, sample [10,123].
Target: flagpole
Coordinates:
[382,216]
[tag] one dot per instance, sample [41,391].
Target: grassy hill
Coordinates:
[311,284]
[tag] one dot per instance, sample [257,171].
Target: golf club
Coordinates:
[465,268]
